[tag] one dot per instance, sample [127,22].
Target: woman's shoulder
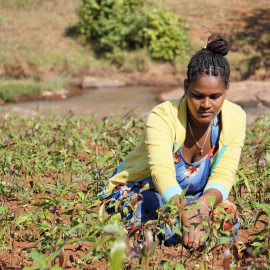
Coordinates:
[233,121]
[232,110]
[170,107]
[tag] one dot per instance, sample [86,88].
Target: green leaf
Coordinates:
[225,240]
[257,244]
[3,209]
[187,229]
[211,200]
[23,218]
[204,237]
[247,182]
[38,258]
[107,156]
[113,228]
[221,209]
[118,253]
[166,266]
[98,243]
[78,227]
[177,230]
[70,142]
[101,213]
[179,266]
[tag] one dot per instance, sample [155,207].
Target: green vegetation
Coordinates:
[113,26]
[44,39]
[12,90]
[22,3]
[54,167]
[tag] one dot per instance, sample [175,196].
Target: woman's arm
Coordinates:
[160,133]
[232,137]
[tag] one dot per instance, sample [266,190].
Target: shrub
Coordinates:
[115,25]
[165,35]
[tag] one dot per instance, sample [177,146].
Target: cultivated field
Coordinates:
[51,171]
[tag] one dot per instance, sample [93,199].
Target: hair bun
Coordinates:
[218,45]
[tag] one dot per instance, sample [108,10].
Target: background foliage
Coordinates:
[115,25]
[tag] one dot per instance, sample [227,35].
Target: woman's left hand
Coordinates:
[190,218]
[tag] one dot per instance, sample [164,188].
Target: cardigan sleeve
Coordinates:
[222,176]
[160,134]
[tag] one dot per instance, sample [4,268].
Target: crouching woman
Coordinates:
[192,143]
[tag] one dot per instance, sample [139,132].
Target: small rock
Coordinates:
[47,93]
[264,97]
[94,82]
[173,94]
[242,94]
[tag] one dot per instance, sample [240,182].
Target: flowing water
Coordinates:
[102,102]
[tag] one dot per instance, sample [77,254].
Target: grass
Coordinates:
[43,37]
[51,170]
[11,89]
[37,36]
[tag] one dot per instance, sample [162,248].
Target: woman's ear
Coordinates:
[186,84]
[227,89]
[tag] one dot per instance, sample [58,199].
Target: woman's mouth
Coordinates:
[205,114]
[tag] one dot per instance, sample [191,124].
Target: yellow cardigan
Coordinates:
[164,134]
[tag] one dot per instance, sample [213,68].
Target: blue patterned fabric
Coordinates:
[194,176]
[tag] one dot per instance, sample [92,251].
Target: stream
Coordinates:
[102,102]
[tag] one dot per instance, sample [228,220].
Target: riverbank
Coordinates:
[41,45]
[105,102]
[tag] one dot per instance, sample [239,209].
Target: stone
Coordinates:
[243,95]
[47,93]
[173,94]
[264,97]
[94,82]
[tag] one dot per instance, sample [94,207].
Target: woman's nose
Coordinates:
[205,103]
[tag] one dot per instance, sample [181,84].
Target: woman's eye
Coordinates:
[197,96]
[215,97]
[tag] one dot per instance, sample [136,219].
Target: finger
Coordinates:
[192,240]
[188,242]
[185,238]
[203,235]
[195,243]
[202,243]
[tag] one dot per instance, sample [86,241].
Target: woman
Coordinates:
[191,143]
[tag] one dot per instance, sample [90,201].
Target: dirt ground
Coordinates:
[16,256]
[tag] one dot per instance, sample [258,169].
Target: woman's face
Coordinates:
[205,97]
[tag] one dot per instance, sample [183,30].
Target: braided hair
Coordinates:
[210,60]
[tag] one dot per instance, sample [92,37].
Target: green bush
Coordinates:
[115,25]
[165,35]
